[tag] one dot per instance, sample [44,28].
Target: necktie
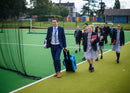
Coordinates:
[55,34]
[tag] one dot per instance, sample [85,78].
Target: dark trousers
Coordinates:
[56,52]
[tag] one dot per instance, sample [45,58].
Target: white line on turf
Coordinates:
[46,77]
[51,75]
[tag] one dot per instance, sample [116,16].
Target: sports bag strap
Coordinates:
[68,54]
[64,52]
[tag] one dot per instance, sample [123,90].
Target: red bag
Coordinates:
[93,37]
[114,42]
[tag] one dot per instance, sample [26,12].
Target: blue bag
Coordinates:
[69,61]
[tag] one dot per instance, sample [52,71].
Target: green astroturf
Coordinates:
[109,77]
[38,61]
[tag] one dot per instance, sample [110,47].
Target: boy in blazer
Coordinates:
[57,43]
[118,39]
[78,36]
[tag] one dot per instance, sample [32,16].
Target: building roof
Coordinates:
[66,4]
[117,12]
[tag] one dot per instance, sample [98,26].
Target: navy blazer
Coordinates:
[122,37]
[94,45]
[79,36]
[61,35]
[101,43]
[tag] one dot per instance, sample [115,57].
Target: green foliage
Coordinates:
[11,8]
[117,4]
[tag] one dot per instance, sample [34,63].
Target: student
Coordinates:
[100,44]
[58,42]
[84,31]
[96,28]
[78,36]
[106,30]
[90,47]
[111,32]
[118,39]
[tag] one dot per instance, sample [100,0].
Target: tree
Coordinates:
[12,8]
[64,12]
[89,8]
[117,4]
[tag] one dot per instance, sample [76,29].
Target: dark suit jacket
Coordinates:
[96,29]
[122,37]
[106,30]
[94,45]
[101,43]
[79,36]
[61,35]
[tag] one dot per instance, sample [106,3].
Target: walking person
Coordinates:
[78,36]
[118,39]
[90,46]
[106,30]
[84,31]
[111,32]
[57,43]
[100,44]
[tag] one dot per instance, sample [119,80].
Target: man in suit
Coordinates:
[106,30]
[57,43]
[78,36]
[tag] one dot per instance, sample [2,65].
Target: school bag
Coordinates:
[69,61]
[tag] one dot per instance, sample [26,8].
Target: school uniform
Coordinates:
[106,30]
[118,39]
[100,44]
[78,36]
[96,29]
[90,48]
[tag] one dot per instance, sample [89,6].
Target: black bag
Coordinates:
[69,61]
[47,43]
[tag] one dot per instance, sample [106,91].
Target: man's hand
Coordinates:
[65,49]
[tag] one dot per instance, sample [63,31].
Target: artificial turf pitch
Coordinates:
[108,77]
[38,61]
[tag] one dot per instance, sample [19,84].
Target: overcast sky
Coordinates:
[125,4]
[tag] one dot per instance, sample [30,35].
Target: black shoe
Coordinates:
[76,51]
[117,61]
[97,59]
[83,59]
[92,69]
[89,68]
[101,57]
[79,49]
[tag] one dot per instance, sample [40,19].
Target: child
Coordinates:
[78,36]
[100,44]
[118,39]
[84,31]
[90,47]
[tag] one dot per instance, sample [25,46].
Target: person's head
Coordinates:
[106,23]
[86,24]
[55,22]
[102,26]
[77,27]
[111,26]
[100,30]
[90,28]
[96,24]
[118,26]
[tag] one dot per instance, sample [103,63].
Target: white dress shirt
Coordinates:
[55,38]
